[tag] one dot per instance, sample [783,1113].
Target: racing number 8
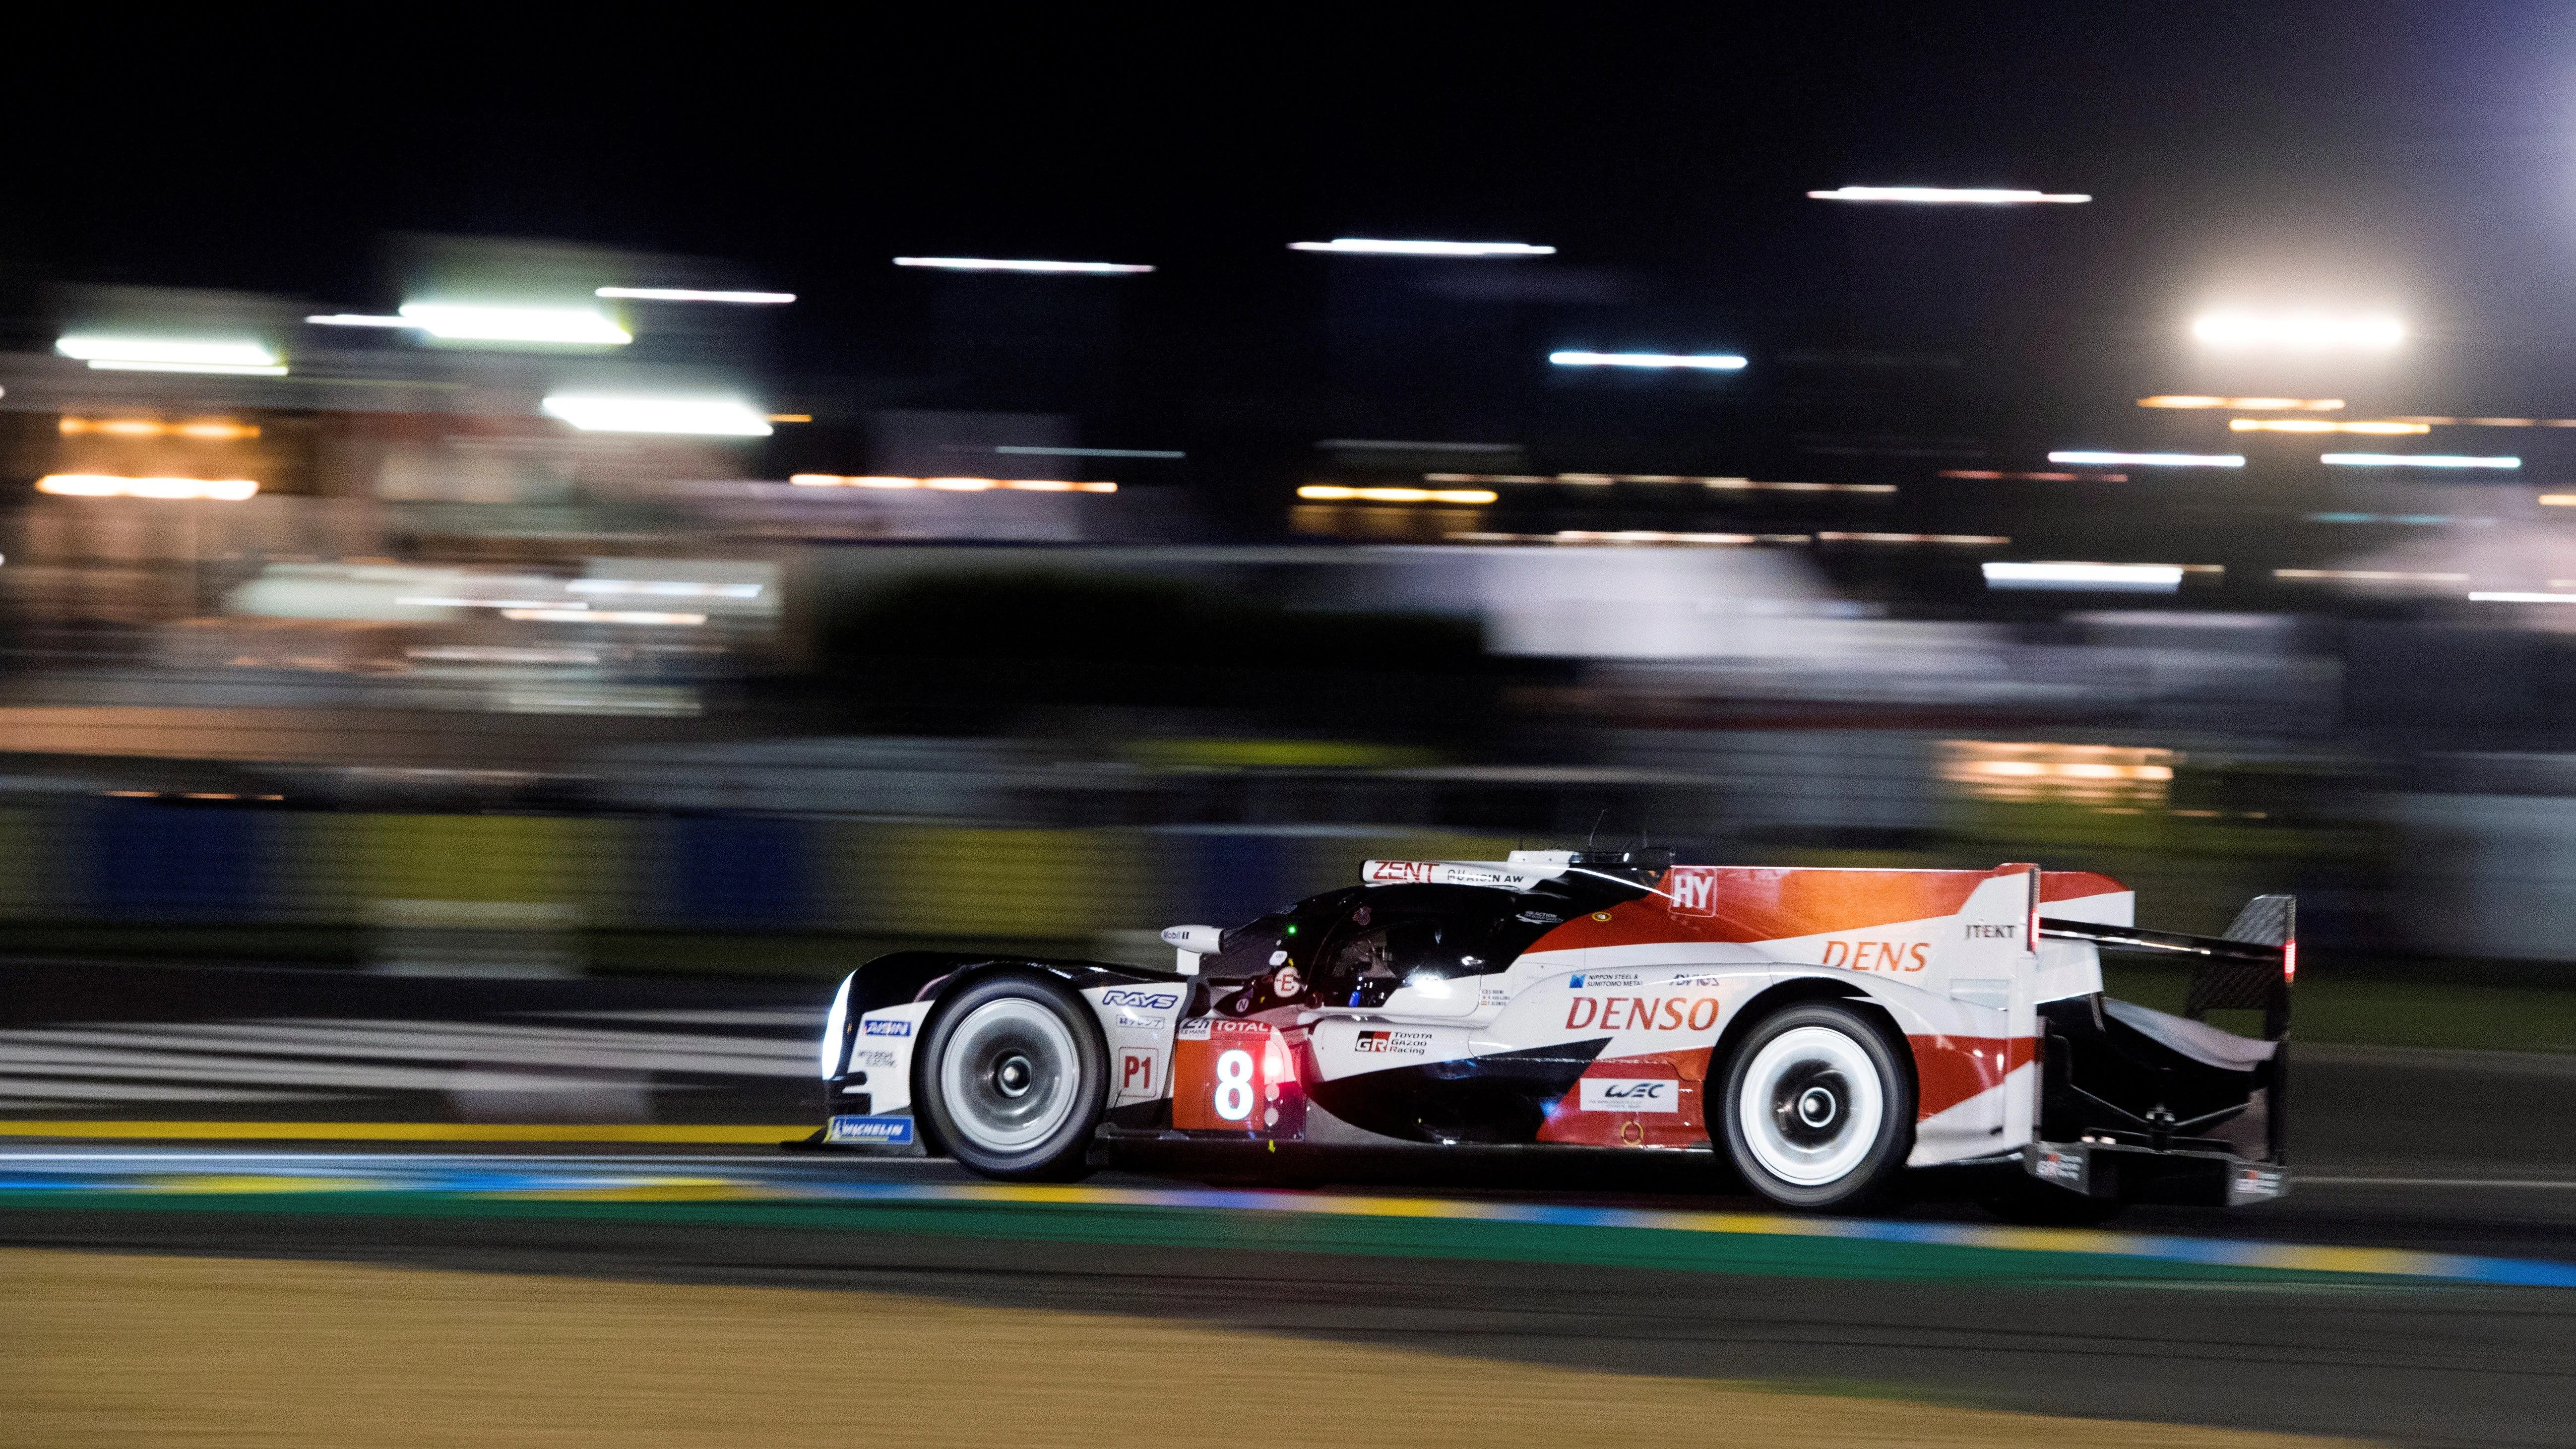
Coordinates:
[1234,1085]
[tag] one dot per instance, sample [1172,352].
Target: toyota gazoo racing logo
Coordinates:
[1396,1043]
[1147,1000]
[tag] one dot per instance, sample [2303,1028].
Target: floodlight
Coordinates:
[713,417]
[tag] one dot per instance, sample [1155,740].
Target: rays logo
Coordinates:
[1149,1000]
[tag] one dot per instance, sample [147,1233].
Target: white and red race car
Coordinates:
[1826,1030]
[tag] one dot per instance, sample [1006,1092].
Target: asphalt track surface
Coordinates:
[2191,1316]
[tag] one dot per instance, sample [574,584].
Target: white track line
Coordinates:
[2303,1180]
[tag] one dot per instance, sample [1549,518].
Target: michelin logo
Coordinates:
[884,1131]
[885,1028]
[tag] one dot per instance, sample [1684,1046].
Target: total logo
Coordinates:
[1631,1094]
[1149,1000]
[885,1028]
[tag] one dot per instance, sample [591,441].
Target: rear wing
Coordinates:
[2250,968]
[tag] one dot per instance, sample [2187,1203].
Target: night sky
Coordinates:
[2418,157]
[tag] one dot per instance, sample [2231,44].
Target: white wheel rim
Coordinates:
[1008,1074]
[1811,1106]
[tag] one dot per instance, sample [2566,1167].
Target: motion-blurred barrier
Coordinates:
[427,884]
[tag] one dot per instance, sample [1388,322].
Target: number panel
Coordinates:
[1237,1076]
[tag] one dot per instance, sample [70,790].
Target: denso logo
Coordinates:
[1643,1013]
[1149,1000]
[1877,955]
[885,1028]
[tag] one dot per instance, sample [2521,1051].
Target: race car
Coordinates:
[1823,1030]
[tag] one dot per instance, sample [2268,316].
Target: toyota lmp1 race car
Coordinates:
[1824,1030]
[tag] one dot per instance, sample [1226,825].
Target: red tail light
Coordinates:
[2289,961]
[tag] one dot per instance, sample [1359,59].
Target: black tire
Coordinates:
[1834,1106]
[2021,1199]
[1012,1077]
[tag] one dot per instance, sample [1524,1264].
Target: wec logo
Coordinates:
[1631,1094]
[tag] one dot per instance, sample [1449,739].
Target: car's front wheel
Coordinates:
[1013,1078]
[1819,1110]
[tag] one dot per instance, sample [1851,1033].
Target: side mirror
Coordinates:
[1192,942]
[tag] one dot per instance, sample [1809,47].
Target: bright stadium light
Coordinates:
[2413,460]
[551,326]
[2298,331]
[998,264]
[709,417]
[1335,493]
[1381,247]
[2111,578]
[104,485]
[693,294]
[1949,195]
[1703,361]
[2246,404]
[2319,425]
[109,353]
[2154,460]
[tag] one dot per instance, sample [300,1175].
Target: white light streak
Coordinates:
[664,588]
[1950,195]
[706,417]
[2503,596]
[1704,361]
[104,485]
[576,614]
[2112,578]
[2413,460]
[357,319]
[2153,460]
[692,294]
[1381,247]
[444,602]
[109,353]
[2319,425]
[951,485]
[2246,404]
[995,264]
[2299,331]
[1335,493]
[549,326]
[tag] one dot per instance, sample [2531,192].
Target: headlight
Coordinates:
[828,1055]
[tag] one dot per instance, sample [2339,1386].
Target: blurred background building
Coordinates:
[574,604]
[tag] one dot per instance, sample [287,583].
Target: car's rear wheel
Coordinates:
[1013,1078]
[1818,1111]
